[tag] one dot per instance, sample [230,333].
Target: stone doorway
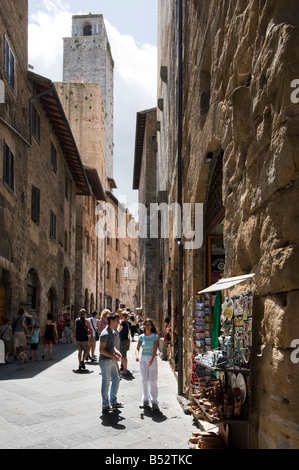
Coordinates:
[32,290]
[52,303]
[214,220]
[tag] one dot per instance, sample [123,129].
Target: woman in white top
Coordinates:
[149,342]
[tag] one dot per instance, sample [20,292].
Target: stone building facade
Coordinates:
[229,66]
[41,174]
[87,57]
[144,180]
[87,97]
[83,105]
[121,256]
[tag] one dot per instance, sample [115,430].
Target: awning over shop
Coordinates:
[223,284]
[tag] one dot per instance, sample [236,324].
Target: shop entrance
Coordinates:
[32,289]
[52,302]
[214,220]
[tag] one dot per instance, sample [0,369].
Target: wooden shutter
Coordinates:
[35,205]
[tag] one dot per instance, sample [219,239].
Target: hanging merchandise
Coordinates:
[221,360]
[216,320]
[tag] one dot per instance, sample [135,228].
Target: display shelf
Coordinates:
[211,419]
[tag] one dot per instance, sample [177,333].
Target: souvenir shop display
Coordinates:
[202,341]
[221,376]
[235,338]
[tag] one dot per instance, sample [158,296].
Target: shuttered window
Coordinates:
[35,205]
[53,158]
[52,225]
[35,124]
[9,64]
[8,167]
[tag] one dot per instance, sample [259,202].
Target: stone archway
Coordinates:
[214,214]
[87,29]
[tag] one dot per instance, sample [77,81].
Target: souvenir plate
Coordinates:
[241,384]
[231,379]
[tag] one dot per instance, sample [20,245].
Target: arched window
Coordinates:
[65,242]
[92,303]
[66,286]
[108,270]
[87,30]
[86,301]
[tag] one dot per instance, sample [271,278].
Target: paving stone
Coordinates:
[47,406]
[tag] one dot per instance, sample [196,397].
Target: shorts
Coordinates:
[8,345]
[82,345]
[124,347]
[20,339]
[33,346]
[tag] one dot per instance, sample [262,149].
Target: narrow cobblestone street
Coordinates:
[47,406]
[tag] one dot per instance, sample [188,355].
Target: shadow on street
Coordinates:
[156,416]
[112,419]
[14,369]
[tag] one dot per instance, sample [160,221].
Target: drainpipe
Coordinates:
[97,274]
[179,198]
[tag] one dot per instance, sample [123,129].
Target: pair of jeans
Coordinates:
[109,373]
[149,375]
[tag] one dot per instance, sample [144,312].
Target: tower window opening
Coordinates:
[87,30]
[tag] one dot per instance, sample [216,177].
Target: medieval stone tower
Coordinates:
[87,58]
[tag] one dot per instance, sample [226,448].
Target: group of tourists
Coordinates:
[112,331]
[25,331]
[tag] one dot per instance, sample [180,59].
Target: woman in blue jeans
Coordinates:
[109,356]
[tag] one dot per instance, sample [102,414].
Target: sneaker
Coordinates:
[82,365]
[107,408]
[117,405]
[145,404]
[155,407]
